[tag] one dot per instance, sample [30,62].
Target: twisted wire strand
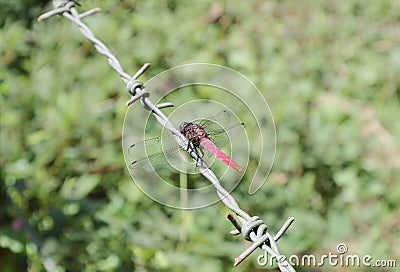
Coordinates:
[252,228]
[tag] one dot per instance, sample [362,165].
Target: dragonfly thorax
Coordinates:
[193,132]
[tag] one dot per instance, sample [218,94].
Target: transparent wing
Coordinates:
[222,127]
[223,118]
[221,136]
[156,151]
[163,151]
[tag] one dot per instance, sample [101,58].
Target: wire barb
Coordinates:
[252,228]
[235,223]
[60,6]
[255,230]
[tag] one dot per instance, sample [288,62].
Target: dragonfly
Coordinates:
[209,134]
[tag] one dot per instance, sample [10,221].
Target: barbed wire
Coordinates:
[252,228]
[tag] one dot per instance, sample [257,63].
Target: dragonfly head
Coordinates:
[183,126]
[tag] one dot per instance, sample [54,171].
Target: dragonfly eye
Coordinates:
[182,127]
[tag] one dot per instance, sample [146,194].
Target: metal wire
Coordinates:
[253,228]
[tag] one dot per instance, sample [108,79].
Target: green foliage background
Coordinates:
[328,69]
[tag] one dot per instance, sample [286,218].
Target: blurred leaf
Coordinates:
[78,188]
[14,245]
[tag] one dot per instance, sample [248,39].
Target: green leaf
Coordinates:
[79,187]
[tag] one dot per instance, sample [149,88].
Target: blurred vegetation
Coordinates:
[329,70]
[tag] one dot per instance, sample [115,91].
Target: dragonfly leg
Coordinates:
[199,153]
[188,146]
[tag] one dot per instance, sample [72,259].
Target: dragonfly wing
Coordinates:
[223,118]
[155,151]
[161,151]
[221,127]
[221,136]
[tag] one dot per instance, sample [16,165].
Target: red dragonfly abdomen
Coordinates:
[210,146]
